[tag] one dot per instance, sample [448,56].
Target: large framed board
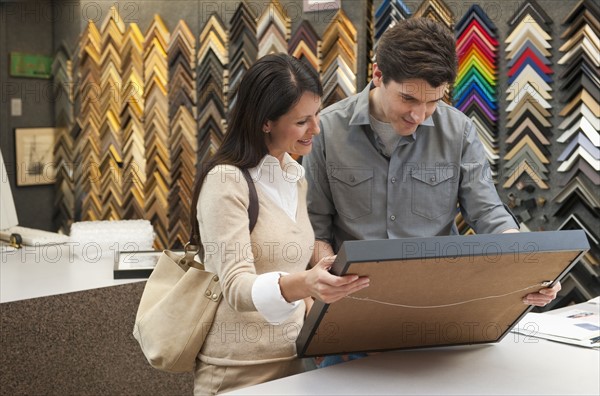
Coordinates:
[438,291]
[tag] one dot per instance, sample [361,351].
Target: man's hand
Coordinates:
[543,297]
[308,302]
[321,250]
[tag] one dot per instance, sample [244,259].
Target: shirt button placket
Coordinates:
[393,180]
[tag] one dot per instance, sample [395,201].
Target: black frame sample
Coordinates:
[135,272]
[438,291]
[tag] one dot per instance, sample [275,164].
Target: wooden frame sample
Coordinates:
[438,291]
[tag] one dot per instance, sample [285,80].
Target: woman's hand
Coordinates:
[329,288]
[317,282]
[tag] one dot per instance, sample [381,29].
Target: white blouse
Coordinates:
[279,183]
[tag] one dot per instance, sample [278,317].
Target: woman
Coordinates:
[266,287]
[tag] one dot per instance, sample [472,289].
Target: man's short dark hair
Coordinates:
[418,48]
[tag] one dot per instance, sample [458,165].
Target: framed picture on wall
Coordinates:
[321,5]
[34,148]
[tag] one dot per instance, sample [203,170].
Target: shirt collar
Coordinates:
[361,110]
[270,169]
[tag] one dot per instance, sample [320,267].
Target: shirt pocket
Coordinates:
[352,189]
[432,193]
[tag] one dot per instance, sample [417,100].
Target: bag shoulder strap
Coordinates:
[253,206]
[195,239]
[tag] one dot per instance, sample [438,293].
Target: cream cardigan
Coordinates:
[239,334]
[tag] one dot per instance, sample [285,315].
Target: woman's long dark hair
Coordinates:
[268,90]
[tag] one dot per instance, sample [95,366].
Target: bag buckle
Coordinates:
[189,252]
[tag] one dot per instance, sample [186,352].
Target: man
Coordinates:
[393,160]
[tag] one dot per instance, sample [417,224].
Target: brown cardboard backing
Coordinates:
[487,290]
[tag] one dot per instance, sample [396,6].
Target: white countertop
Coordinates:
[33,272]
[516,366]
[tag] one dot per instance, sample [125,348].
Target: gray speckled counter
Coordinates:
[79,343]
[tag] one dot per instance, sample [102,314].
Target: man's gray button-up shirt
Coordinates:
[356,192]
